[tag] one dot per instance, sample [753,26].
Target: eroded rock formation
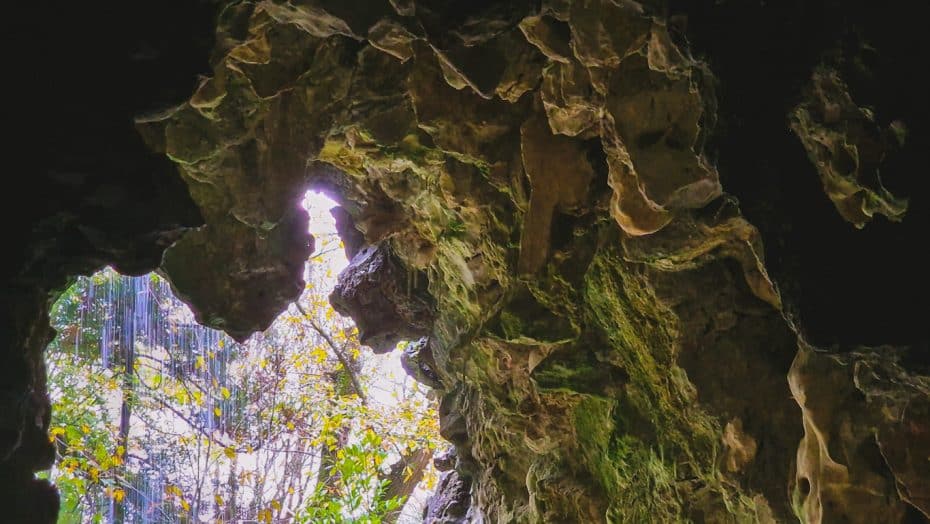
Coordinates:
[612,225]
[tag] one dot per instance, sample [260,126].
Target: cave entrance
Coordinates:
[157,418]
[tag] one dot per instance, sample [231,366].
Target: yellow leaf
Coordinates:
[225,392]
[275,504]
[230,452]
[218,499]
[85,428]
[290,425]
[120,451]
[200,362]
[217,411]
[118,494]
[182,397]
[264,516]
[185,505]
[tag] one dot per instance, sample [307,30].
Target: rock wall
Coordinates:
[661,259]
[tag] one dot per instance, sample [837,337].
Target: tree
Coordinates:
[190,426]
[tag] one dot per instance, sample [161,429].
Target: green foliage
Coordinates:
[219,430]
[357,495]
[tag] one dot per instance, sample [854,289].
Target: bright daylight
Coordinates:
[158,419]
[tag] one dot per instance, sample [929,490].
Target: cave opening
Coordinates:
[157,418]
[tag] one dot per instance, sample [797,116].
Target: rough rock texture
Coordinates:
[369,289]
[846,146]
[583,208]
[450,503]
[417,360]
[866,427]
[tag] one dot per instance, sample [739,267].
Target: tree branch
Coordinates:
[356,385]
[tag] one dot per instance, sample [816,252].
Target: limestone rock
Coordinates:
[450,503]
[241,278]
[387,303]
[417,360]
[863,456]
[559,175]
[593,213]
[445,460]
[848,148]
[539,190]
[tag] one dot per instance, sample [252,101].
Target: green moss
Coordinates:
[455,229]
[640,483]
[633,463]
[574,365]
[797,504]
[411,150]
[510,325]
[640,332]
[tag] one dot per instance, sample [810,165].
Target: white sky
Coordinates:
[391,376]
[323,227]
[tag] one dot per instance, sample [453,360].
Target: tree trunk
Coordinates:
[122,441]
[403,478]
[231,512]
[326,477]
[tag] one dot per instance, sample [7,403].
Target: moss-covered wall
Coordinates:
[608,223]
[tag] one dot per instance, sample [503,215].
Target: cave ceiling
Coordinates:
[661,261]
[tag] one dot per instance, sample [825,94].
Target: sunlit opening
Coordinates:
[159,419]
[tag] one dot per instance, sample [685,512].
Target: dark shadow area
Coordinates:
[849,286]
[84,73]
[85,191]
